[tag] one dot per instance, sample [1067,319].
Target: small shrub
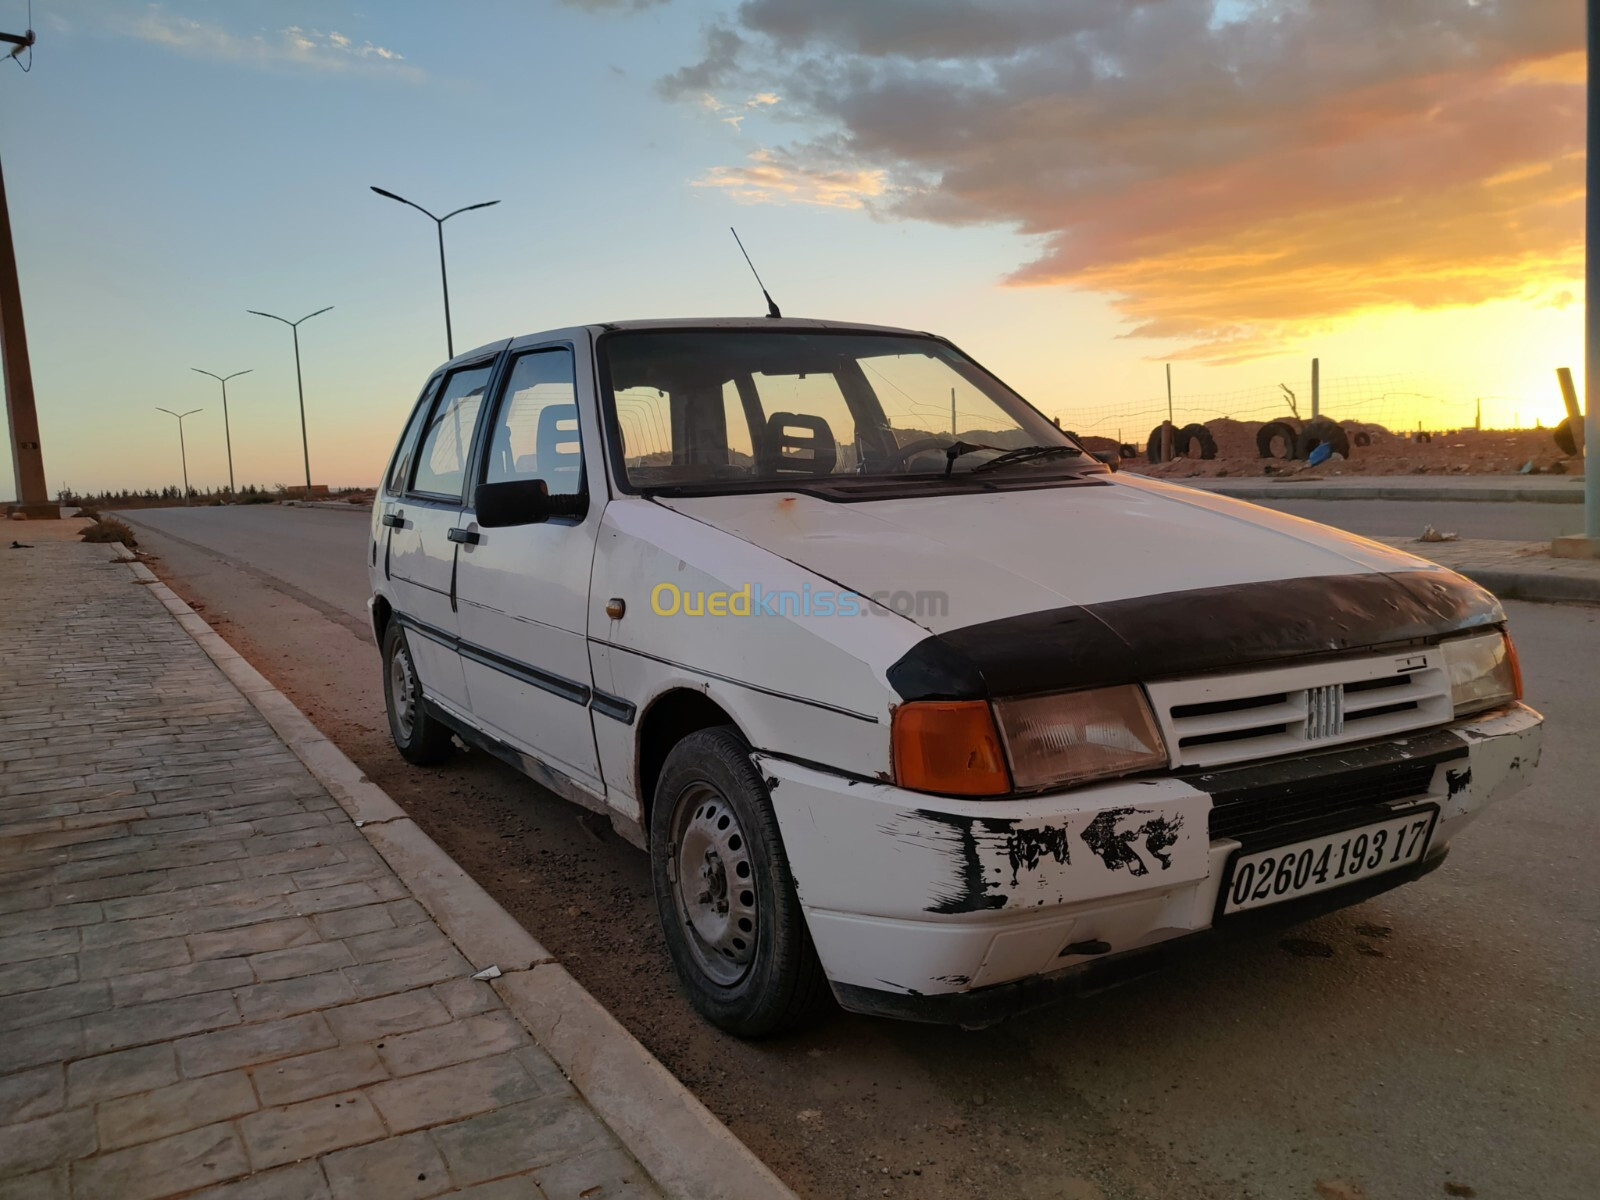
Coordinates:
[109,529]
[92,513]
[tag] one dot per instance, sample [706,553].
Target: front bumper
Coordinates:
[927,908]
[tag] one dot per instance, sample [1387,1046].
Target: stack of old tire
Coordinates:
[1188,441]
[1287,438]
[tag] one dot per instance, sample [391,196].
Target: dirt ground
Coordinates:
[1454,452]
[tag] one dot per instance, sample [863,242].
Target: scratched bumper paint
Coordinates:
[920,895]
[1503,748]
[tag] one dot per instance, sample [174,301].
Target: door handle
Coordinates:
[467,537]
[394,520]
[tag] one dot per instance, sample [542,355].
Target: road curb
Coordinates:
[688,1152]
[1491,493]
[1534,585]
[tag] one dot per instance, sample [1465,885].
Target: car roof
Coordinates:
[599,327]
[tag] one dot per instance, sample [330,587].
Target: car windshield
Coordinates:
[778,408]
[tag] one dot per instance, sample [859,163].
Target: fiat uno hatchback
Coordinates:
[908,698]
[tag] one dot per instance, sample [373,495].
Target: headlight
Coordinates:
[1483,672]
[1073,737]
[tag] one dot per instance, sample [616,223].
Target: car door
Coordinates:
[523,591]
[421,554]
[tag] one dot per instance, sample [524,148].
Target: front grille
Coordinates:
[1306,806]
[1220,719]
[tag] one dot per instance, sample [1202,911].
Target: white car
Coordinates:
[908,697]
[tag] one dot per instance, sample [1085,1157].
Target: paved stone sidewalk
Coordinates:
[210,984]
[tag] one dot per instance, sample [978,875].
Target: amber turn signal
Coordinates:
[950,747]
[1516,668]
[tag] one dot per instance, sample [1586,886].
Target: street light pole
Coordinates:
[226,433]
[183,451]
[299,383]
[444,279]
[22,418]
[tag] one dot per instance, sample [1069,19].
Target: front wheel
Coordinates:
[419,738]
[727,900]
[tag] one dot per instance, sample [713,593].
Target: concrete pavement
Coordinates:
[217,981]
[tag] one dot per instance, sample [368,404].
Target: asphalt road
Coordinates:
[1442,1034]
[316,552]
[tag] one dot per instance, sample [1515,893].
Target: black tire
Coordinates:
[1420,437]
[1152,445]
[1280,432]
[1361,438]
[420,739]
[1191,437]
[1128,450]
[738,939]
[1562,433]
[1319,431]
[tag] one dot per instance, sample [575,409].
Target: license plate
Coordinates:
[1330,861]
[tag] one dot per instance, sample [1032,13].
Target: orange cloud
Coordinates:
[1230,182]
[769,178]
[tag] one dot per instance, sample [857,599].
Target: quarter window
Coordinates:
[442,456]
[535,435]
[395,483]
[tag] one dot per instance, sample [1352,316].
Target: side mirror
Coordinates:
[1110,457]
[515,502]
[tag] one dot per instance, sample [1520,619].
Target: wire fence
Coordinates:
[1401,403]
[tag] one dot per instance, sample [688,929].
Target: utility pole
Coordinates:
[1167,430]
[1316,388]
[1591,292]
[183,451]
[1587,545]
[22,418]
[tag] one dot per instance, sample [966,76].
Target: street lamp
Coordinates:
[449,337]
[227,435]
[183,451]
[294,326]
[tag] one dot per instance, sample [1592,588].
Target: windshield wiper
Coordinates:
[1025,454]
[957,450]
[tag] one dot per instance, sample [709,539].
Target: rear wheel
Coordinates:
[727,900]
[419,738]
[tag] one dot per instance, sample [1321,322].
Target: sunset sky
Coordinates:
[1075,191]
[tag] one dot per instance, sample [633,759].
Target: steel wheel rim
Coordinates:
[402,687]
[713,884]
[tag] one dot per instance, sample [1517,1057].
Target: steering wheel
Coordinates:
[899,457]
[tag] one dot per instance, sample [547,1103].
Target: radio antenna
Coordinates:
[772,309]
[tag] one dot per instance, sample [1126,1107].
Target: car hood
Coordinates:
[949,562]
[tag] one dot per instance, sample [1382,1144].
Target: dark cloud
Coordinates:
[1223,170]
[720,64]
